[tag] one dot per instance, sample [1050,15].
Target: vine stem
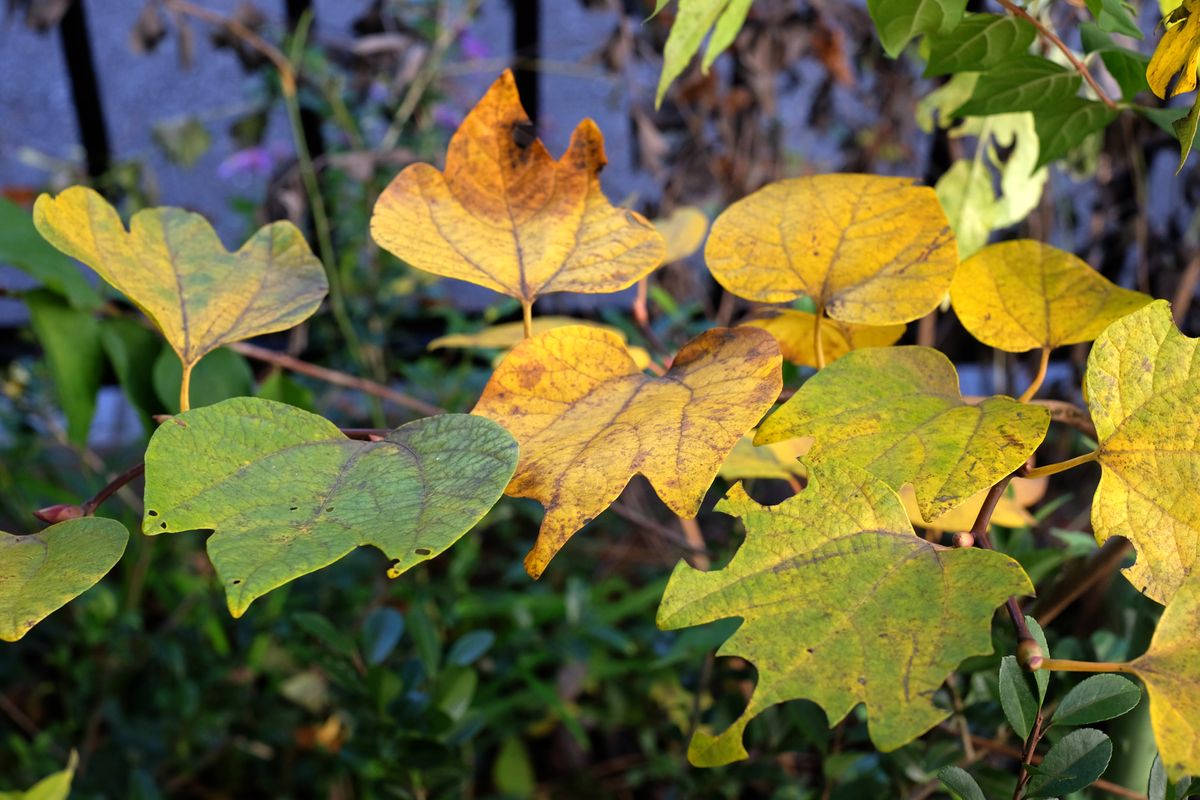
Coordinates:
[1054,39]
[1043,367]
[980,531]
[818,347]
[527,317]
[336,378]
[1067,665]
[59,513]
[1062,466]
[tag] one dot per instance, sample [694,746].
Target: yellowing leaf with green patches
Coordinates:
[587,420]
[897,412]
[1143,389]
[173,267]
[841,603]
[507,216]
[1023,294]
[683,230]
[286,494]
[795,332]
[1170,668]
[866,249]
[508,335]
[42,572]
[1178,52]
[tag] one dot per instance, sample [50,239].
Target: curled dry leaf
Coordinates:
[794,332]
[897,412]
[507,216]
[1023,294]
[866,249]
[587,420]
[43,572]
[174,268]
[286,493]
[1143,387]
[842,604]
[1178,52]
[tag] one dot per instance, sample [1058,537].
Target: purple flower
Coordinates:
[474,48]
[446,117]
[255,162]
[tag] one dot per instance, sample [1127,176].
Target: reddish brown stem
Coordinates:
[980,531]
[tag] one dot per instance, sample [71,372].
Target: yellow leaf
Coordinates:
[1170,668]
[897,413]
[1011,511]
[174,268]
[1019,295]
[587,420]
[1143,386]
[506,215]
[841,603]
[1178,52]
[794,331]
[866,249]
[509,334]
[683,230]
[779,460]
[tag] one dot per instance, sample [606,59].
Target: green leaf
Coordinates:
[1021,83]
[42,572]
[130,347]
[470,648]
[287,494]
[21,246]
[980,42]
[1065,125]
[969,199]
[282,388]
[899,21]
[842,603]
[381,632]
[961,784]
[52,787]
[897,412]
[1185,132]
[218,376]
[1164,118]
[1128,67]
[1160,786]
[1073,763]
[1115,16]
[70,339]
[1096,699]
[512,771]
[1016,698]
[693,22]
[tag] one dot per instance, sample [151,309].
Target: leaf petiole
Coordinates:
[1043,366]
[1067,665]
[1062,466]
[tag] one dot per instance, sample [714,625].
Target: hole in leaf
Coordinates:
[163,526]
[422,551]
[235,583]
[152,513]
[293,508]
[329,509]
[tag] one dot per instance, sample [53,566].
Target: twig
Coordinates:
[1070,415]
[287,75]
[630,515]
[980,531]
[1053,38]
[63,511]
[335,377]
[1035,736]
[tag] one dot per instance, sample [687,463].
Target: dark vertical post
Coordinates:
[310,121]
[527,34]
[85,89]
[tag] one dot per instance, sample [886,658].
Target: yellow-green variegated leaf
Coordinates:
[897,412]
[841,603]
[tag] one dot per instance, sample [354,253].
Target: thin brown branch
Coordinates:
[1053,38]
[980,531]
[992,746]
[287,75]
[335,377]
[1070,415]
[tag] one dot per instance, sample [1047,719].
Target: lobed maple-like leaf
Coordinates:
[42,572]
[1170,668]
[507,216]
[866,249]
[1143,387]
[1023,294]
[794,331]
[587,420]
[286,494]
[842,603]
[173,267]
[897,412]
